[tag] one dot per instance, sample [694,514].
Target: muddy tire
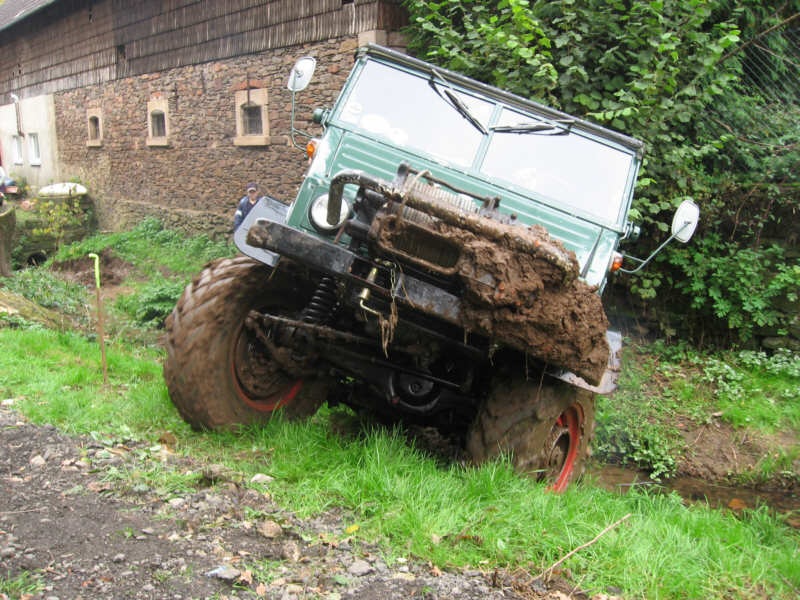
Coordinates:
[218,374]
[547,430]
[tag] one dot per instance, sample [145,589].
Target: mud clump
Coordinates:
[532,302]
[113,270]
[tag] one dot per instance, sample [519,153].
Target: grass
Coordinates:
[406,501]
[23,584]
[661,385]
[163,263]
[151,248]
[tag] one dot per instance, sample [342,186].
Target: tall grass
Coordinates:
[407,501]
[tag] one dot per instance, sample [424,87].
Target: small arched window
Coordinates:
[158,122]
[94,123]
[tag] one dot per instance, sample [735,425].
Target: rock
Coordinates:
[290,551]
[403,576]
[261,478]
[9,402]
[7,552]
[148,588]
[270,529]
[118,558]
[225,573]
[38,461]
[293,588]
[359,568]
[177,502]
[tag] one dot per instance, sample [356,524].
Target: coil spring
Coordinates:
[320,307]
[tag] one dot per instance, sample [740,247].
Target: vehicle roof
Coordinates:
[636,146]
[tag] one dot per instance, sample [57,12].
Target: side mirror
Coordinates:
[301,73]
[683,225]
[685,221]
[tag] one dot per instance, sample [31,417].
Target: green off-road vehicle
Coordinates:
[441,264]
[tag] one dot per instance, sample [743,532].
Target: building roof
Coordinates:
[13,11]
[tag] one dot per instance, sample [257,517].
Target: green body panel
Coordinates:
[346,147]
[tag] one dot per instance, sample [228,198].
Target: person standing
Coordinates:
[246,204]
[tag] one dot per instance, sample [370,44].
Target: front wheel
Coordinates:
[545,426]
[218,373]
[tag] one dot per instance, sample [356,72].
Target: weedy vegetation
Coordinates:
[401,497]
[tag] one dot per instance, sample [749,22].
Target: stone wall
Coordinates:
[195,181]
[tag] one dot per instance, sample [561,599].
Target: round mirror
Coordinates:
[301,73]
[685,221]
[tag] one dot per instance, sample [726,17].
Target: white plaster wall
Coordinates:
[37,116]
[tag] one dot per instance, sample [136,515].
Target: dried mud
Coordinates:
[530,302]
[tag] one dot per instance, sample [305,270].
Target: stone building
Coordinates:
[168,107]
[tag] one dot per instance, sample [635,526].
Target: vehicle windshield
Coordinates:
[569,169]
[413,112]
[564,166]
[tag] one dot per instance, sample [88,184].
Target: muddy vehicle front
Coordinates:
[441,264]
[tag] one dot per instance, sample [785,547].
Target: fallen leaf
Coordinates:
[351,529]
[246,576]
[737,504]
[435,539]
[436,571]
[168,438]
[261,589]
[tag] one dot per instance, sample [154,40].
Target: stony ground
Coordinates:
[85,533]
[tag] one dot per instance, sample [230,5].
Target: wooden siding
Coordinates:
[75,43]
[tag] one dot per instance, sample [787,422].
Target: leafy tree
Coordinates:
[675,75]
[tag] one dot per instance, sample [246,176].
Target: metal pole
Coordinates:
[100,333]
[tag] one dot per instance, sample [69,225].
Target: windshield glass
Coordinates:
[413,112]
[569,169]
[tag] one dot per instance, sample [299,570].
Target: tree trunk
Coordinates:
[8,221]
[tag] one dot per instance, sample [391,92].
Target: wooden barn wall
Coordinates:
[76,43]
[67,45]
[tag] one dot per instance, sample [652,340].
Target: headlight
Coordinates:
[318,214]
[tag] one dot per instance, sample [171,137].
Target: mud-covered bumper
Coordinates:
[276,238]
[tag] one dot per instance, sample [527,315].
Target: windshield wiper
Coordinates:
[455,102]
[560,127]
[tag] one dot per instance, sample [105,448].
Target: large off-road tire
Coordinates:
[219,375]
[546,428]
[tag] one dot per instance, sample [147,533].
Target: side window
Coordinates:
[34,153]
[94,123]
[252,122]
[157,122]
[16,148]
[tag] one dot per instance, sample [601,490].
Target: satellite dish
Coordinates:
[301,73]
[685,221]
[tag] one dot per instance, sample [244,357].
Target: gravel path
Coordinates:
[84,534]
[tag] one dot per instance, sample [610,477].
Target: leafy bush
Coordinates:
[152,303]
[44,288]
[674,75]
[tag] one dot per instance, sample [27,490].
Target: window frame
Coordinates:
[34,150]
[17,156]
[245,100]
[157,106]
[96,114]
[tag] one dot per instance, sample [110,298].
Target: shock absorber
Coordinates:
[320,308]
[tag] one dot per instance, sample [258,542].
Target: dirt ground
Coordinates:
[85,535]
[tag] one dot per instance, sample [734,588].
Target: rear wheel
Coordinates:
[218,373]
[546,428]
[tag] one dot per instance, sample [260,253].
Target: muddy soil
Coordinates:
[71,516]
[113,270]
[532,302]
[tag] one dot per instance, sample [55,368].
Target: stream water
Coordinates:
[693,489]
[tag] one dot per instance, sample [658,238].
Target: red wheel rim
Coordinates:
[242,355]
[565,442]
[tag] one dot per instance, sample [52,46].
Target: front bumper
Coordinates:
[277,239]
